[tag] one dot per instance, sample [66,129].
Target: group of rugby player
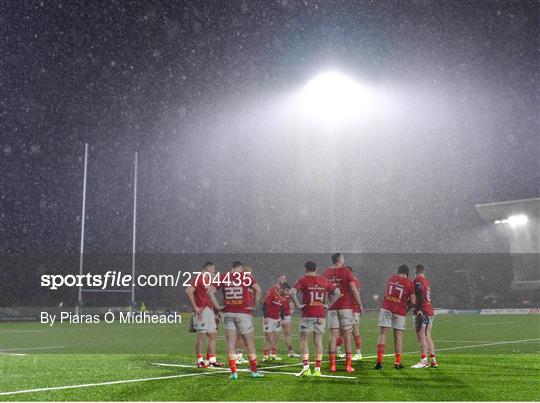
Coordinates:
[332,299]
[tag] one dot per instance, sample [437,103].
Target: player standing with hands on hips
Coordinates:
[237,313]
[315,289]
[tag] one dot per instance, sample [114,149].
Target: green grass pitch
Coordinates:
[487,357]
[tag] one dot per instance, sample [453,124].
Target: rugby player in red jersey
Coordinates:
[240,345]
[423,318]
[280,280]
[315,289]
[357,310]
[286,323]
[237,313]
[398,292]
[203,319]
[340,315]
[272,314]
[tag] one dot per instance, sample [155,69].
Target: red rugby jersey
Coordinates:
[237,298]
[397,293]
[341,277]
[273,304]
[423,288]
[286,301]
[314,290]
[200,295]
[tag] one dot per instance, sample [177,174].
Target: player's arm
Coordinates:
[212,295]
[190,292]
[266,301]
[412,297]
[419,296]
[258,292]
[291,304]
[355,293]
[335,296]
[294,298]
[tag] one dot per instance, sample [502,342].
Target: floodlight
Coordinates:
[334,97]
[517,220]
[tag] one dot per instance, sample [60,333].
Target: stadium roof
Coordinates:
[501,210]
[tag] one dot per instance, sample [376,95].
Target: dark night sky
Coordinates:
[179,81]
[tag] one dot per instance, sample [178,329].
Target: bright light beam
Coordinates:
[514,221]
[518,220]
[334,98]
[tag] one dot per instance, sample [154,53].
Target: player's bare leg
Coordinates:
[240,345]
[274,346]
[357,343]
[339,344]
[199,339]
[422,341]
[431,347]
[398,347]
[288,340]
[267,345]
[347,333]
[381,343]
[304,350]
[318,338]
[332,343]
[231,352]
[211,350]
[252,354]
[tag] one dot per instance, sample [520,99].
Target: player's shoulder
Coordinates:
[328,272]
[323,280]
[347,272]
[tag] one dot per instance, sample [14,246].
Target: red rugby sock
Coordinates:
[380,352]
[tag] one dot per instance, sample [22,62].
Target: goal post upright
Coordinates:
[134,238]
[83,219]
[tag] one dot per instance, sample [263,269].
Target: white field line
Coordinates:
[264,370]
[29,348]
[87,385]
[17,354]
[465,341]
[492,323]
